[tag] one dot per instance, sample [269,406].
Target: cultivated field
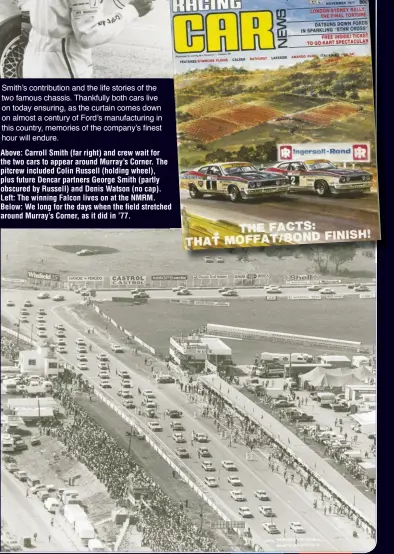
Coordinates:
[328,99]
[207,129]
[327,114]
[227,121]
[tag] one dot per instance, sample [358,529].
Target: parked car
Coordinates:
[178,437]
[208,466]
[244,511]
[296,527]
[271,528]
[235,481]
[267,511]
[182,453]
[238,496]
[174,414]
[155,426]
[229,466]
[261,495]
[211,482]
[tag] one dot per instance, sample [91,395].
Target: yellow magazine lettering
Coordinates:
[256,27]
[184,41]
[222,31]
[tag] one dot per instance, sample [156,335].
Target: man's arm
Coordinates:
[96,22]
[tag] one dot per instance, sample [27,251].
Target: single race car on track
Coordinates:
[323,177]
[235,180]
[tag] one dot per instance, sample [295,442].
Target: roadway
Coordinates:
[289,501]
[327,214]
[25,516]
[166,294]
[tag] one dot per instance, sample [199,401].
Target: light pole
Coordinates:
[17,325]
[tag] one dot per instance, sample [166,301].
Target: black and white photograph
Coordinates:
[156,400]
[64,39]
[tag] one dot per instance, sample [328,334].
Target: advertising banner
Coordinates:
[127,280]
[274,98]
[89,278]
[169,278]
[337,152]
[43,276]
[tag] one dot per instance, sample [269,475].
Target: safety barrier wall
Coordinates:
[257,334]
[125,331]
[200,303]
[303,297]
[288,450]
[17,335]
[169,457]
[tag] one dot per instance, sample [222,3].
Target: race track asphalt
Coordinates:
[290,502]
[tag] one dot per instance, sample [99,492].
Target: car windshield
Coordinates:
[320,165]
[234,169]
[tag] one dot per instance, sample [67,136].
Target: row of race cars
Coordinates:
[242,180]
[148,406]
[270,289]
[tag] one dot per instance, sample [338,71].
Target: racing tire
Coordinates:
[322,188]
[194,192]
[13,42]
[234,194]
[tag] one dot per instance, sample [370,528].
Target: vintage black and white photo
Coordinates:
[155,400]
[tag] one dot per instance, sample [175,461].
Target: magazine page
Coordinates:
[275,122]
[152,404]
[87,114]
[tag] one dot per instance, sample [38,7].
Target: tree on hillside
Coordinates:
[243,255]
[319,254]
[340,255]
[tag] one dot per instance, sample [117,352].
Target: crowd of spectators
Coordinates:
[164,524]
[239,428]
[9,349]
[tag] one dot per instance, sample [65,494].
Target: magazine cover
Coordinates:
[275,122]
[150,407]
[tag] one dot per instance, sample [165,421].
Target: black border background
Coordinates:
[382,36]
[381,23]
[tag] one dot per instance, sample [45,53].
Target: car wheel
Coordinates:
[234,194]
[194,192]
[13,42]
[322,188]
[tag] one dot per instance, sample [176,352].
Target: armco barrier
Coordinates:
[304,297]
[257,334]
[200,303]
[19,336]
[194,482]
[133,337]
